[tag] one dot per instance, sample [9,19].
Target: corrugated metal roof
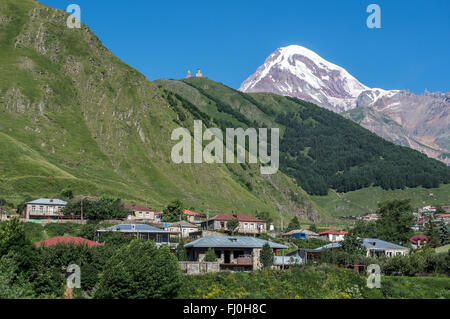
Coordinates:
[232,242]
[371,243]
[47,201]
[134,228]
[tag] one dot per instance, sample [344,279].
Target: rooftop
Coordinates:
[231,242]
[241,218]
[139,208]
[188,212]
[371,243]
[183,223]
[48,201]
[333,232]
[66,240]
[135,228]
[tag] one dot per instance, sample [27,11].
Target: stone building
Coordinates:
[233,253]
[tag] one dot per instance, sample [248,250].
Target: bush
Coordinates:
[140,270]
[210,255]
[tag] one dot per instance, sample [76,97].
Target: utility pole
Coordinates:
[181,229]
[82,209]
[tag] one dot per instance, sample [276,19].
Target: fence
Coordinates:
[198,267]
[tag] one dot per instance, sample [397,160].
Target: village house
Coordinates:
[247,225]
[370,217]
[143,231]
[44,208]
[419,223]
[445,218]
[136,212]
[233,253]
[374,248]
[301,233]
[182,227]
[418,241]
[192,216]
[333,235]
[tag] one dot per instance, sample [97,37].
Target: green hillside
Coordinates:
[364,201]
[74,116]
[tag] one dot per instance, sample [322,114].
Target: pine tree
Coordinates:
[181,252]
[432,233]
[210,255]
[266,256]
[444,234]
[293,224]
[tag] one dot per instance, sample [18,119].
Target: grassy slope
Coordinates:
[74,116]
[365,200]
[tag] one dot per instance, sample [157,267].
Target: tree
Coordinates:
[173,211]
[140,270]
[104,208]
[439,210]
[353,249]
[266,256]
[313,228]
[11,286]
[432,233]
[67,193]
[210,255]
[232,225]
[293,224]
[265,216]
[396,220]
[444,234]
[181,252]
[12,238]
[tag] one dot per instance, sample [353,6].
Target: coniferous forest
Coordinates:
[323,150]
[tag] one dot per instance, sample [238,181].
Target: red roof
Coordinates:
[188,212]
[67,240]
[241,218]
[136,208]
[416,238]
[333,232]
[442,215]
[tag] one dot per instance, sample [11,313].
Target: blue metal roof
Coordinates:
[135,228]
[47,201]
[231,242]
[370,243]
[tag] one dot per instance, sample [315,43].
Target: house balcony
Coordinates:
[239,261]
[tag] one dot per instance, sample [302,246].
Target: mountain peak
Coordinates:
[300,72]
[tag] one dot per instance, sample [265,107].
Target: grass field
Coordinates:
[365,200]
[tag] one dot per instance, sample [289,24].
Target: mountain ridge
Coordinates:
[299,72]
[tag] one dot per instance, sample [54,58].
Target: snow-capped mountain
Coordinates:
[420,121]
[299,72]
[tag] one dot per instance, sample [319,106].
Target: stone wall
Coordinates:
[197,267]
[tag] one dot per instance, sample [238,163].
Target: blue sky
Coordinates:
[229,39]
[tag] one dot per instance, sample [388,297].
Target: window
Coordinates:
[245,225]
[33,208]
[41,208]
[140,214]
[147,214]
